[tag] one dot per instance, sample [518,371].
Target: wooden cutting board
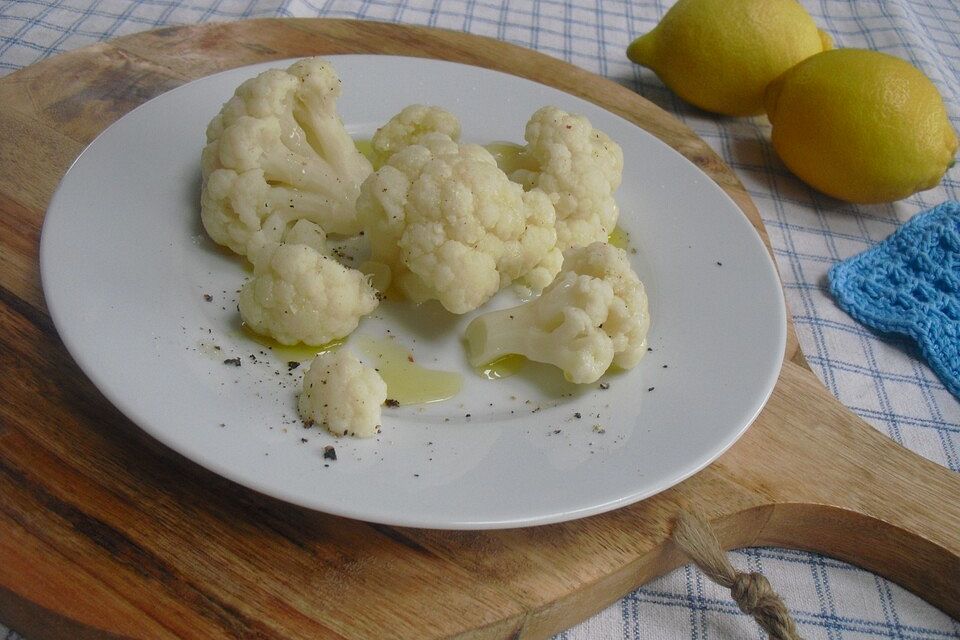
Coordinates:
[105,533]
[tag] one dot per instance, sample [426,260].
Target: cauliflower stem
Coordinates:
[592,315]
[554,330]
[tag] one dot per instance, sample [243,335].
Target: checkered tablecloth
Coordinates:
[880,380]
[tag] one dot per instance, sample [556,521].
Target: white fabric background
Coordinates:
[882,381]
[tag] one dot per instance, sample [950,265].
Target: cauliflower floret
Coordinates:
[342,394]
[445,223]
[297,294]
[593,315]
[579,167]
[409,126]
[277,150]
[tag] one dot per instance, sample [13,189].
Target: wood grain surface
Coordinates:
[105,533]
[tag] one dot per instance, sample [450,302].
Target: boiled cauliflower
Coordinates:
[579,167]
[409,126]
[278,152]
[445,223]
[298,294]
[342,394]
[593,315]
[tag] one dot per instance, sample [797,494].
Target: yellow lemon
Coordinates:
[720,55]
[862,126]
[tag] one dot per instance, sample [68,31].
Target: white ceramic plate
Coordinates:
[126,265]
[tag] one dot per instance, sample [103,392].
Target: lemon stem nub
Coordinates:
[639,50]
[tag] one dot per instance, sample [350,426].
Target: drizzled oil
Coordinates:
[296,352]
[365,146]
[507,154]
[619,238]
[502,367]
[407,381]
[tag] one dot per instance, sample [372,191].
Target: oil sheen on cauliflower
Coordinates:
[276,153]
[445,223]
[593,315]
[409,126]
[342,394]
[298,294]
[579,167]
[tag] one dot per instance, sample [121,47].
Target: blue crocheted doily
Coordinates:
[910,284]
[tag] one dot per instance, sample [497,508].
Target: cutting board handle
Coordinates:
[852,493]
[888,546]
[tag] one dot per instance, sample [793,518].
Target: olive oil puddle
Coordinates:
[407,381]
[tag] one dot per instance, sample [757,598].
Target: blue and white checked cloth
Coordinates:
[881,381]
